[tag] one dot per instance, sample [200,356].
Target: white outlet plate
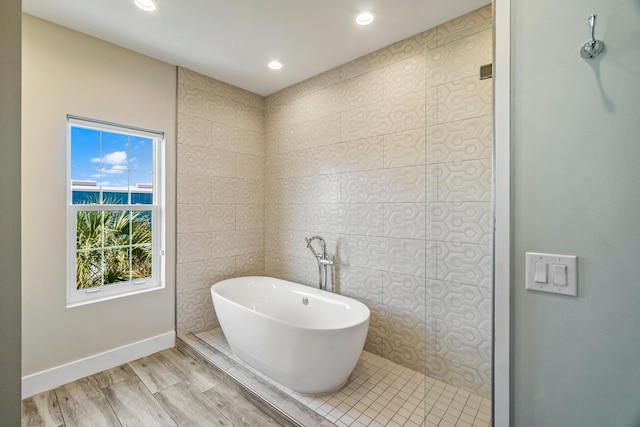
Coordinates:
[571,263]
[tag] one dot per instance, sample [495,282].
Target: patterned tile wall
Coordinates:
[388,158]
[220,192]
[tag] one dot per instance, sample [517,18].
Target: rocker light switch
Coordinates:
[557,274]
[541,272]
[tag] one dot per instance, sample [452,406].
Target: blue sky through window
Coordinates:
[111,159]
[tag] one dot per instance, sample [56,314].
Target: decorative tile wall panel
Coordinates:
[468,181]
[374,345]
[231,92]
[415,45]
[194,131]
[464,345]
[294,112]
[461,222]
[251,264]
[405,220]
[198,217]
[220,214]
[465,32]
[249,166]
[193,79]
[246,191]
[313,133]
[295,269]
[460,305]
[236,139]
[406,148]
[218,88]
[193,247]
[459,375]
[355,92]
[409,356]
[359,155]
[192,101]
[401,328]
[405,292]
[459,59]
[393,115]
[405,256]
[206,161]
[397,185]
[466,263]
[234,242]
[459,100]
[288,242]
[223,190]
[364,219]
[202,274]
[315,83]
[249,216]
[286,216]
[468,20]
[306,189]
[462,140]
[406,76]
[287,165]
[361,283]
[194,189]
[195,311]
[224,110]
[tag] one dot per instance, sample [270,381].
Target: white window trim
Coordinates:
[79,297]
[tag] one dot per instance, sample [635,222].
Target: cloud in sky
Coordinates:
[117,159]
[116,170]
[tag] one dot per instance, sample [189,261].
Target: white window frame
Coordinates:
[77,297]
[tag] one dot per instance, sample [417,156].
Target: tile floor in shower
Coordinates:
[379,393]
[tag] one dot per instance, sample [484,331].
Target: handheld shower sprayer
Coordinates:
[309,240]
[324,261]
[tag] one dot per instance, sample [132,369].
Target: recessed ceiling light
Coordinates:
[146,5]
[365,18]
[274,65]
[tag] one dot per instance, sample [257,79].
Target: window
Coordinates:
[115,211]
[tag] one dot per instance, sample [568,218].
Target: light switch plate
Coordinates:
[571,261]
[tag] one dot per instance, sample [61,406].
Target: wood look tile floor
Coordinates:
[169,388]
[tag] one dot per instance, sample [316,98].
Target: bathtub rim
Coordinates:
[312,293]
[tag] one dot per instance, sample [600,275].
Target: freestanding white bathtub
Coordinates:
[304,338]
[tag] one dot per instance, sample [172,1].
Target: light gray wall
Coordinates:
[576,190]
[10,42]
[66,72]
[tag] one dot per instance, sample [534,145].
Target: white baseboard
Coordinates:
[55,377]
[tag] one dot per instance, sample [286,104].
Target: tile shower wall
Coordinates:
[220,192]
[389,158]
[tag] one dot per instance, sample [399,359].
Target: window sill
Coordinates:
[84,298]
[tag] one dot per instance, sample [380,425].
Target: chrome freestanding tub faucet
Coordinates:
[324,261]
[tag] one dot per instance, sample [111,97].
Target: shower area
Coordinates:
[388,158]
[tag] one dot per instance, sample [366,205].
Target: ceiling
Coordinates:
[233,40]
